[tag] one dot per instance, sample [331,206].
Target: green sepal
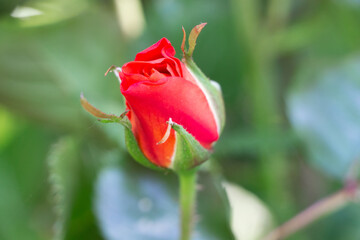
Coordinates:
[212,89]
[104,117]
[136,153]
[131,144]
[123,121]
[130,141]
[188,153]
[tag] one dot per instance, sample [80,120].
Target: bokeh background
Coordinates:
[290,74]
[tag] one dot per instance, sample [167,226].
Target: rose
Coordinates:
[174,112]
[158,87]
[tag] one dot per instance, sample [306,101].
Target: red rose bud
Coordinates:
[176,112]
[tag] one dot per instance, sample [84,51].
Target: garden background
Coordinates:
[290,75]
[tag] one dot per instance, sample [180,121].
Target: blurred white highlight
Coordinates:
[25,12]
[250,218]
[131,17]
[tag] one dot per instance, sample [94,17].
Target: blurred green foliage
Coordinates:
[290,76]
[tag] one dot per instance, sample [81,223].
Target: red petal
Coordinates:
[156,75]
[152,104]
[133,72]
[160,49]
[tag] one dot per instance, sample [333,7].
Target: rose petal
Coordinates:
[160,49]
[129,79]
[133,72]
[155,75]
[153,103]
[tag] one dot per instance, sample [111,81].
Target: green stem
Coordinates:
[187,202]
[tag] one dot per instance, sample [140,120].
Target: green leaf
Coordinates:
[63,166]
[188,151]
[324,108]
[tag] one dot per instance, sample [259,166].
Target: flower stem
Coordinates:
[315,211]
[187,202]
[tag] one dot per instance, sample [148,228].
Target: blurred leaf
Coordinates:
[248,15]
[45,69]
[240,141]
[352,3]
[50,11]
[81,222]
[135,207]
[63,164]
[7,127]
[25,155]
[315,31]
[15,214]
[250,218]
[324,108]
[22,183]
[214,221]
[6,6]
[142,206]
[73,165]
